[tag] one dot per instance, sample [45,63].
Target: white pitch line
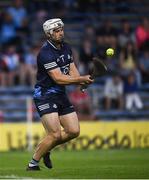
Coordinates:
[9,168]
[10,177]
[14,177]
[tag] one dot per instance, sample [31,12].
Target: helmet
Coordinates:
[51,24]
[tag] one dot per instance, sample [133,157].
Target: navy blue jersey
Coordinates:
[50,58]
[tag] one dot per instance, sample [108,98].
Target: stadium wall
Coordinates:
[94,135]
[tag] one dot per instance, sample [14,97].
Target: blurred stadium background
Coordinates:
[114,111]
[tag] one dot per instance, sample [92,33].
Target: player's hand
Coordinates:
[86,79]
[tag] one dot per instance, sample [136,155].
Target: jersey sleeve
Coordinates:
[48,61]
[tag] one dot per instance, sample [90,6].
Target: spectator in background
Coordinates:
[18,13]
[86,55]
[107,29]
[10,66]
[7,30]
[89,32]
[100,47]
[131,93]
[142,34]
[36,26]
[28,68]
[113,92]
[126,33]
[106,36]
[82,104]
[129,61]
[19,17]
[107,32]
[144,66]
[128,58]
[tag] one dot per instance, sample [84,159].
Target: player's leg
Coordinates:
[71,127]
[52,126]
[71,130]
[68,119]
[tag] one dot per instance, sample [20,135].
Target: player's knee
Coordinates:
[56,136]
[74,133]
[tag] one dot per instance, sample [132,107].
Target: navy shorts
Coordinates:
[55,103]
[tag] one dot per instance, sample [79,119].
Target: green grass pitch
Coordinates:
[93,164]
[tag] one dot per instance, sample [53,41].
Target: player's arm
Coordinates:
[63,79]
[73,70]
